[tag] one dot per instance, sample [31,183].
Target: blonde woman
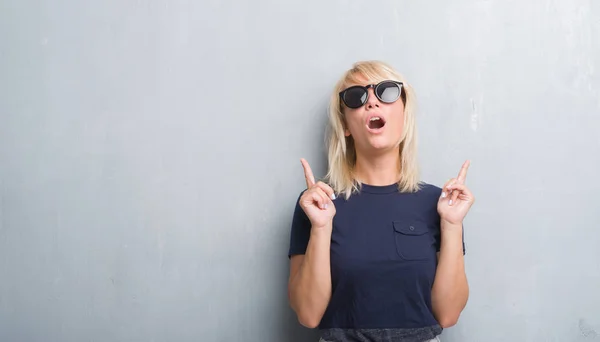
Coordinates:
[375,253]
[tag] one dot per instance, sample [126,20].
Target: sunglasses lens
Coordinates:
[355,97]
[388,92]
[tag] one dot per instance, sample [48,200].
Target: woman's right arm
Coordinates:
[309,286]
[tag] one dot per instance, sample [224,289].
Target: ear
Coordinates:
[346,130]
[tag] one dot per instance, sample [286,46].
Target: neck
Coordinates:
[379,170]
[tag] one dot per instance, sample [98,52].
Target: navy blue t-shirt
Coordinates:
[383,263]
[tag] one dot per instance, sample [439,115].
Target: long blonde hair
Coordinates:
[341,149]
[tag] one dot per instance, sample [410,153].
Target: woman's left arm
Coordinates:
[450,290]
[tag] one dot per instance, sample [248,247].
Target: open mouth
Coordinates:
[376,122]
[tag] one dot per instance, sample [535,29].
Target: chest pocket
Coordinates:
[413,240]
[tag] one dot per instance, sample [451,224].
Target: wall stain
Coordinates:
[587,330]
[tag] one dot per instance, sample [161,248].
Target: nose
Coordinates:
[372,101]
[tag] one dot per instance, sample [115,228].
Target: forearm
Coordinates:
[450,288]
[310,288]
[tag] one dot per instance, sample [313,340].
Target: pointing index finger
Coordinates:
[308,175]
[462,175]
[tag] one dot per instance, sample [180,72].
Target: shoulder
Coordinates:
[429,190]
[428,198]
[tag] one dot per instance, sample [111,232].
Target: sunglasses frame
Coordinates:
[375,87]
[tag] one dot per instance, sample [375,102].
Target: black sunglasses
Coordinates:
[386,91]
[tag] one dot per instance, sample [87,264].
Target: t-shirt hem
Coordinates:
[381,334]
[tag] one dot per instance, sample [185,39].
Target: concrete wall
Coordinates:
[149,159]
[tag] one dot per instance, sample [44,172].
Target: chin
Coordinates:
[381,143]
[382,147]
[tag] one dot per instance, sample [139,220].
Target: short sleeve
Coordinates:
[300,233]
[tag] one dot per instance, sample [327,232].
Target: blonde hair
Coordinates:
[341,149]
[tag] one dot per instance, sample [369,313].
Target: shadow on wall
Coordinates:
[294,332]
[291,330]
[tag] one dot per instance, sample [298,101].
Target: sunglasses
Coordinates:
[386,91]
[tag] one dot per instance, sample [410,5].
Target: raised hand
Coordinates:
[456,198]
[316,201]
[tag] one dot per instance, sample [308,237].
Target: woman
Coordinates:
[376,254]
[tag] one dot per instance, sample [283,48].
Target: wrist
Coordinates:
[451,238]
[454,226]
[321,230]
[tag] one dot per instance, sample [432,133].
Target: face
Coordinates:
[375,126]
